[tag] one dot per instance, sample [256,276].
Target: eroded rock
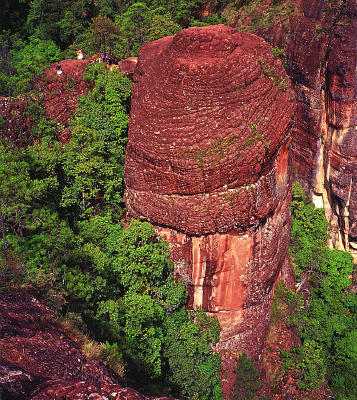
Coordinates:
[40,361]
[60,93]
[208,164]
[210,111]
[319,48]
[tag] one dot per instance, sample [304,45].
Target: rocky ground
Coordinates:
[40,361]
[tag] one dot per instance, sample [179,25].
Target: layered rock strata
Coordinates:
[319,43]
[208,163]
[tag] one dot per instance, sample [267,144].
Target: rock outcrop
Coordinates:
[60,93]
[39,361]
[319,43]
[58,96]
[208,164]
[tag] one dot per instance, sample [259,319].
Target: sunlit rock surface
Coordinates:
[319,45]
[208,164]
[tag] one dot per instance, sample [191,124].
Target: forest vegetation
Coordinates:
[62,218]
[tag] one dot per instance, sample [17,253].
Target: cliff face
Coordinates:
[40,361]
[208,163]
[319,42]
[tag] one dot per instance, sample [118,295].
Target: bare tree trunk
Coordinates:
[128,48]
[141,40]
[105,55]
[3,233]
[83,203]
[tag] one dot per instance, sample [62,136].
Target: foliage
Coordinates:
[193,366]
[306,364]
[277,52]
[283,298]
[162,24]
[329,324]
[140,273]
[308,232]
[22,63]
[93,160]
[247,379]
[139,260]
[18,194]
[103,36]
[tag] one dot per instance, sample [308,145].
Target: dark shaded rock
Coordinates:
[39,361]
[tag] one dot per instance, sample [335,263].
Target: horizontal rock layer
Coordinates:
[210,110]
[208,163]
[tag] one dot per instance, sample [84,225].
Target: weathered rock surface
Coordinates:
[319,43]
[60,93]
[57,94]
[211,108]
[127,66]
[208,164]
[39,361]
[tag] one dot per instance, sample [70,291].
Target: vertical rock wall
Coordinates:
[319,43]
[208,164]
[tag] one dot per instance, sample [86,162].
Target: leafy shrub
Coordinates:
[329,323]
[306,364]
[194,369]
[247,379]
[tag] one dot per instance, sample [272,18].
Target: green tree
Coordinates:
[140,291]
[306,364]
[247,379]
[194,369]
[43,18]
[18,196]
[31,59]
[328,324]
[134,23]
[90,172]
[103,36]
[93,160]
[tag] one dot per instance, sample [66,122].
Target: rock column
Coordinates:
[208,164]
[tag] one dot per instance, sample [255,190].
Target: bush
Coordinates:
[329,323]
[247,379]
